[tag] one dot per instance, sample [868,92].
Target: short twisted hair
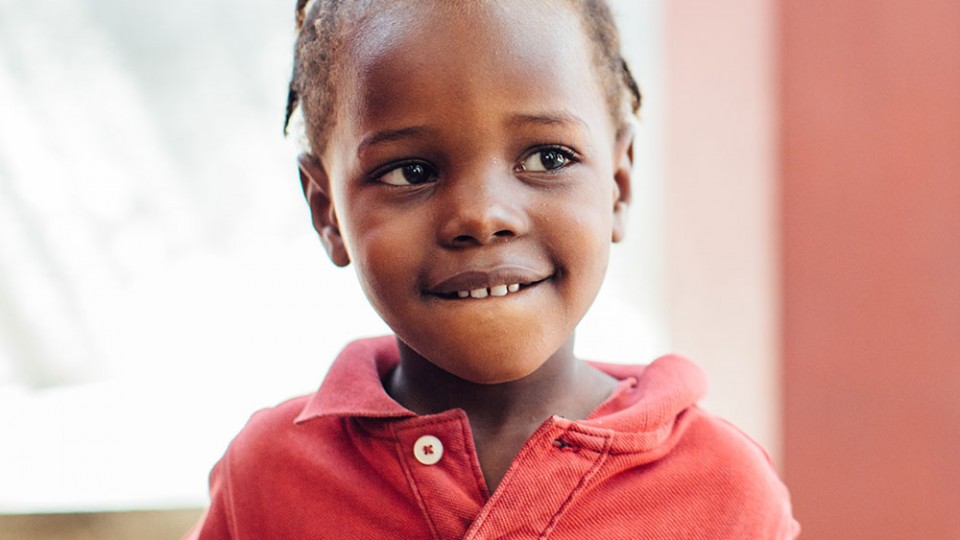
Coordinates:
[321,28]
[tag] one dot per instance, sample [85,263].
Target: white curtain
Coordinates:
[134,136]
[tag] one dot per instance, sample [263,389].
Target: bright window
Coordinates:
[159,277]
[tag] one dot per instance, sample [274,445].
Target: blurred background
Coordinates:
[796,231]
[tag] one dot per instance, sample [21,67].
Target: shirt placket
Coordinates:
[552,469]
[441,468]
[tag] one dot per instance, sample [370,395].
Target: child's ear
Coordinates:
[622,176]
[316,189]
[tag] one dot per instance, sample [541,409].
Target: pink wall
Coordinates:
[870,163]
[720,204]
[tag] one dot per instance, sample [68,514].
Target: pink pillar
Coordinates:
[870,165]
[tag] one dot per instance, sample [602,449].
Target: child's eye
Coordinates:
[408,174]
[548,159]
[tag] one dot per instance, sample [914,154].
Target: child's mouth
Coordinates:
[477,286]
[496,290]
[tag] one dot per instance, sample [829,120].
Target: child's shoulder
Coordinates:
[658,422]
[269,429]
[734,477]
[666,447]
[352,388]
[733,461]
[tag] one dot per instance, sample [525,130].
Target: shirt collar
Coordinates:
[647,400]
[354,384]
[655,396]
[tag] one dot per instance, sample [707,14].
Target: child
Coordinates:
[472,160]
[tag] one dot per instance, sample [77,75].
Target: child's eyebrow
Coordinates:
[390,135]
[561,118]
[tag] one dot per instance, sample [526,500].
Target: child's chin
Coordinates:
[492,353]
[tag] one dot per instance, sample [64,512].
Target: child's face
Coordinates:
[473,151]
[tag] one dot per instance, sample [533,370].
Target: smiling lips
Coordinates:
[483,284]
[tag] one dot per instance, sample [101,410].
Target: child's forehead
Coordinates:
[412,53]
[475,39]
[492,28]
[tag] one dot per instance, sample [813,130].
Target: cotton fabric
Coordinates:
[648,463]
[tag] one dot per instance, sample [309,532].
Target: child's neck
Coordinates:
[502,416]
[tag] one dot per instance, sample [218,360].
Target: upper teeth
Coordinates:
[496,290]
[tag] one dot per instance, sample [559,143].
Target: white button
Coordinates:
[428,450]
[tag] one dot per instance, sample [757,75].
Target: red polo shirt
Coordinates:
[350,462]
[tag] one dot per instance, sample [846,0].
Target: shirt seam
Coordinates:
[575,492]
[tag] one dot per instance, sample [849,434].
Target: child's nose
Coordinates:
[481,209]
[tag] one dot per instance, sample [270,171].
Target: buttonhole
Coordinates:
[563,445]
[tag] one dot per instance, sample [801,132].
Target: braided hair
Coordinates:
[321,27]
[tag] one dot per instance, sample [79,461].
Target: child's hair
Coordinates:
[321,26]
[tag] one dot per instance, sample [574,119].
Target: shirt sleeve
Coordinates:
[216,521]
[771,505]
